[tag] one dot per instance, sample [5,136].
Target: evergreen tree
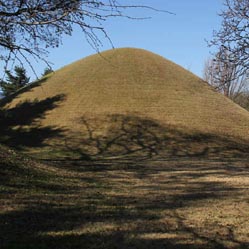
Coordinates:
[47,70]
[14,82]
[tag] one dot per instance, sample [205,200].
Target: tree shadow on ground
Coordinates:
[20,126]
[129,205]
[133,136]
[109,136]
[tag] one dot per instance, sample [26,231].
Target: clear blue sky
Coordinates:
[179,38]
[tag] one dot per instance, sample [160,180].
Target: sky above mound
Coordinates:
[180,37]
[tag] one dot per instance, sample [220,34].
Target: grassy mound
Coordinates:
[151,121]
[123,102]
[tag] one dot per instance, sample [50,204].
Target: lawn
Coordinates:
[154,203]
[135,152]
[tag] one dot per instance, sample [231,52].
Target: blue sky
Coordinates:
[179,38]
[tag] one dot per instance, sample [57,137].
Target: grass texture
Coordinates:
[177,203]
[75,110]
[140,153]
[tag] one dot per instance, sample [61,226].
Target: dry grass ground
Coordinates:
[161,203]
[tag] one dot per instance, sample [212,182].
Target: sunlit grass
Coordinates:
[82,101]
[180,203]
[140,154]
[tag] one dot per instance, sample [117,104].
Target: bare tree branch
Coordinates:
[234,33]
[31,27]
[225,75]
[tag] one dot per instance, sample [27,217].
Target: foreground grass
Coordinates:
[159,203]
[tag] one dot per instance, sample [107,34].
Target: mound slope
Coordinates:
[123,101]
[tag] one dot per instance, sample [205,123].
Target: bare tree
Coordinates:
[234,33]
[29,27]
[225,75]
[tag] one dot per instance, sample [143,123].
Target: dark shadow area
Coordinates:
[139,207]
[132,136]
[19,173]
[20,126]
[34,222]
[111,136]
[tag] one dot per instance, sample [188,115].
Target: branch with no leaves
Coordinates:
[234,33]
[30,28]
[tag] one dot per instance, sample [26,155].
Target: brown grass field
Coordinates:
[133,152]
[159,203]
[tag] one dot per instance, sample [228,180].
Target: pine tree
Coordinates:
[14,82]
[47,71]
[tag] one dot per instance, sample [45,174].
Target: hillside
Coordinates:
[163,159]
[124,101]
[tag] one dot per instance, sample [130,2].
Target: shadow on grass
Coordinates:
[110,136]
[20,126]
[115,135]
[19,173]
[120,136]
[27,228]
[124,205]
